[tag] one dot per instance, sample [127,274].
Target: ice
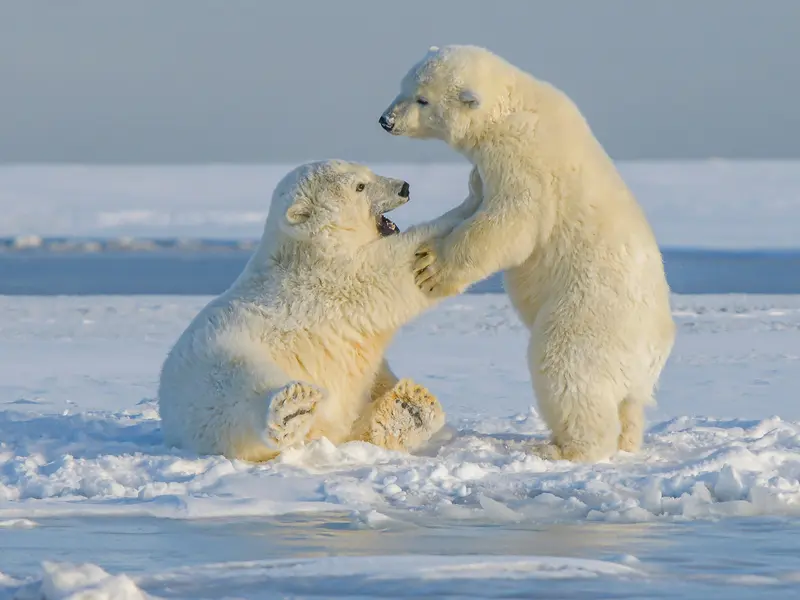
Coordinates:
[339,576]
[709,204]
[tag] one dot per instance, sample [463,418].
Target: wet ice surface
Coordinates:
[328,555]
[710,507]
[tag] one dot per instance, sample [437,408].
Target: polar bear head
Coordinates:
[451,94]
[334,204]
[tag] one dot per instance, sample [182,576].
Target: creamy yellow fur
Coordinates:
[294,350]
[581,264]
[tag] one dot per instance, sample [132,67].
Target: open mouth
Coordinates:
[386,227]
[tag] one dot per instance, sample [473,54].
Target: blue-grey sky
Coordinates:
[187,81]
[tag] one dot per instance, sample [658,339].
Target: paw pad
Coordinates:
[291,413]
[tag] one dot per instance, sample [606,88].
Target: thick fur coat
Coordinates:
[294,350]
[581,263]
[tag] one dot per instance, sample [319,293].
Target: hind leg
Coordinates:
[385,380]
[631,418]
[405,418]
[584,428]
[577,399]
[292,410]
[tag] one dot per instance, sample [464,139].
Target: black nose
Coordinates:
[386,123]
[404,190]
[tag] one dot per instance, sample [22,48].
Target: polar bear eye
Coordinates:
[360,187]
[422,102]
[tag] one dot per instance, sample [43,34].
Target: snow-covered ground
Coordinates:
[708,204]
[80,440]
[92,505]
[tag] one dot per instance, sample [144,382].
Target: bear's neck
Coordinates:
[477,140]
[474,148]
[294,254]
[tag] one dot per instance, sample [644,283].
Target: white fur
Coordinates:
[294,349]
[581,264]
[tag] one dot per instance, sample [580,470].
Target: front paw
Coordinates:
[430,274]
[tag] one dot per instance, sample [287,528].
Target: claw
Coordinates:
[424,260]
[423,276]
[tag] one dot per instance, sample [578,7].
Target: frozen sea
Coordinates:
[101,268]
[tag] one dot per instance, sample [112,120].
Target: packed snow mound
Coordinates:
[114,463]
[64,581]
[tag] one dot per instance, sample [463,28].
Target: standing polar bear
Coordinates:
[581,263]
[294,349]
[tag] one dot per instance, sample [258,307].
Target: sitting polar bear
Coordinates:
[294,349]
[583,269]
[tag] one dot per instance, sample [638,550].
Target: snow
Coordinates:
[93,505]
[17,523]
[80,433]
[708,204]
[76,582]
[80,438]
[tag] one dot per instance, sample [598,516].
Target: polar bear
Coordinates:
[294,349]
[582,267]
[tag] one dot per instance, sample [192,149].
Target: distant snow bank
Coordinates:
[709,204]
[35,243]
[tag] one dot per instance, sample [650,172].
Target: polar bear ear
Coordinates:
[299,212]
[433,49]
[470,98]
